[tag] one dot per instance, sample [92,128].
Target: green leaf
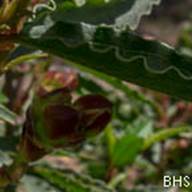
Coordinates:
[7,115]
[70,181]
[123,55]
[126,149]
[3,98]
[120,13]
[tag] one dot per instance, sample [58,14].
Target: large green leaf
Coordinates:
[120,54]
[120,13]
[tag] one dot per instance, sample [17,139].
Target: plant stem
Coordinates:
[117,179]
[22,59]
[110,139]
[163,135]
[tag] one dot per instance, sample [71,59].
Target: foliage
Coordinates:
[156,65]
[57,107]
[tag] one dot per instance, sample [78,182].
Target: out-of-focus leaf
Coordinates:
[7,115]
[31,184]
[3,98]
[70,181]
[184,40]
[97,169]
[123,55]
[8,144]
[143,127]
[145,188]
[5,159]
[80,2]
[126,149]
[10,188]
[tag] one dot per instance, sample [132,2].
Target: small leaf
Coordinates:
[7,115]
[126,150]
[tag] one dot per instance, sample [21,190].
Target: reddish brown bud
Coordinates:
[96,113]
[62,125]
[53,123]
[92,102]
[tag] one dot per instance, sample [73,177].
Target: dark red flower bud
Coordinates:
[62,124]
[53,122]
[96,113]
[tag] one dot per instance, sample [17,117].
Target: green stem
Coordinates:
[22,59]
[110,138]
[116,180]
[163,135]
